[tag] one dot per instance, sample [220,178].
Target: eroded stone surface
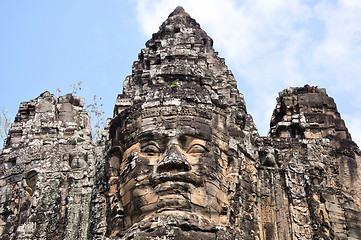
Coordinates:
[178,138]
[181,158]
[46,171]
[320,165]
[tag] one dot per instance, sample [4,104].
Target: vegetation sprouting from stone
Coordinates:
[175,84]
[94,108]
[4,124]
[96,113]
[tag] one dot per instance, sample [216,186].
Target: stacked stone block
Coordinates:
[181,158]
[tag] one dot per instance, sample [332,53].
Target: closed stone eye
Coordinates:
[196,148]
[151,150]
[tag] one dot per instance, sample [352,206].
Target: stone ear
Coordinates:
[232,163]
[31,178]
[113,161]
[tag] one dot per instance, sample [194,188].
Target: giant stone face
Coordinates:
[174,162]
[174,137]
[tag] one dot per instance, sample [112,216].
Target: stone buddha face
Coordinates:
[174,163]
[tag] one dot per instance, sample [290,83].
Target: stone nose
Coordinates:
[173,160]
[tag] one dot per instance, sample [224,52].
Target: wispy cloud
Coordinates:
[271,45]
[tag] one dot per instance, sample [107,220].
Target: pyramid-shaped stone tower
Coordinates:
[181,158]
[181,56]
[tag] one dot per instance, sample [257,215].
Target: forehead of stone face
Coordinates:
[176,88]
[162,128]
[170,119]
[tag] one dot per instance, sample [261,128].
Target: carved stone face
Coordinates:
[174,163]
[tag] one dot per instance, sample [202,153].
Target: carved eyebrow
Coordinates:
[147,143]
[197,145]
[187,139]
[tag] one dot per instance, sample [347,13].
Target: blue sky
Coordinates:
[268,45]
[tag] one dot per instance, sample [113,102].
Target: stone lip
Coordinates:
[176,177]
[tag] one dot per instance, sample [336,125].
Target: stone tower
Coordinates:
[46,173]
[181,158]
[178,139]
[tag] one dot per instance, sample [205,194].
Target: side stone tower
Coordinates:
[307,112]
[46,170]
[310,170]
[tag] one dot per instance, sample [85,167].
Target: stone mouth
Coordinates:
[176,178]
[177,189]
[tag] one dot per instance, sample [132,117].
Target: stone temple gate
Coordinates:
[181,158]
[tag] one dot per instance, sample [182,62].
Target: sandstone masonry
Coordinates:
[181,158]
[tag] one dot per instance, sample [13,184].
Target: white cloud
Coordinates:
[271,45]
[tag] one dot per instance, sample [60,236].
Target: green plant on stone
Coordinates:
[96,114]
[58,91]
[4,124]
[94,108]
[175,84]
[76,86]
